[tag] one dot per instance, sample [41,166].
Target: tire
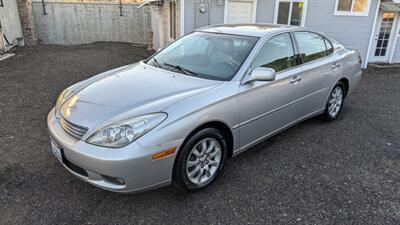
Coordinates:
[335,102]
[192,158]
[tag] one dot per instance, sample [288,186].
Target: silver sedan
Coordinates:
[212,94]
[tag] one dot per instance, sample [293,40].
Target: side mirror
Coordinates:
[262,74]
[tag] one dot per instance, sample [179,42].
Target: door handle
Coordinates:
[335,66]
[295,79]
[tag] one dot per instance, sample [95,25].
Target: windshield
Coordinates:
[205,55]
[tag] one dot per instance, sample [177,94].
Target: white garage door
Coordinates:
[240,12]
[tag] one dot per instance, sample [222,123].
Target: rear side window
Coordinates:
[277,53]
[312,46]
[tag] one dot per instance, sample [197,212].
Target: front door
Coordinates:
[269,106]
[383,36]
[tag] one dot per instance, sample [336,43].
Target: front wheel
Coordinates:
[335,102]
[201,160]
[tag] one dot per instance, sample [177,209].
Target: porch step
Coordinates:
[384,65]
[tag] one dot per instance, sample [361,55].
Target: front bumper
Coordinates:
[98,165]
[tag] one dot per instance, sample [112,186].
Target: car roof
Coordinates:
[248,29]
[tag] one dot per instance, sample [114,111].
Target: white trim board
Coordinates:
[371,38]
[396,37]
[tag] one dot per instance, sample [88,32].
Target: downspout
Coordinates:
[371,39]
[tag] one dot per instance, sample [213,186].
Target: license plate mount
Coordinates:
[56,150]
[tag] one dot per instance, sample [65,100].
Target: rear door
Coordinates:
[320,66]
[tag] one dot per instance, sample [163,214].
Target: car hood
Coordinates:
[127,92]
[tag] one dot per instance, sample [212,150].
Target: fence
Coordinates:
[69,23]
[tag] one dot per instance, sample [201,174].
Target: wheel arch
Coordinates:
[219,125]
[345,81]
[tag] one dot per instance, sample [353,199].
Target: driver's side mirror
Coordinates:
[262,74]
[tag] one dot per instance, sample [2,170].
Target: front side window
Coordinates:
[352,7]
[277,53]
[205,55]
[312,46]
[290,12]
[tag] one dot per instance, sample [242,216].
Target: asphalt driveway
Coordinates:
[343,172]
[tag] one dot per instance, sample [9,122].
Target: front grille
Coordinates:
[73,129]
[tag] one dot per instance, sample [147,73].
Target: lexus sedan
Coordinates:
[176,117]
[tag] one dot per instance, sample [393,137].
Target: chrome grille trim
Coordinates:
[74,130]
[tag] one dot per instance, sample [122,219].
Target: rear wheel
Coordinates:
[201,160]
[335,102]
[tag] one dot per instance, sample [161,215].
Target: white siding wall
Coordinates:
[265,11]
[189,15]
[396,50]
[351,31]
[10,21]
[216,14]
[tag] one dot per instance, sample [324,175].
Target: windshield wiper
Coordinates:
[180,68]
[156,63]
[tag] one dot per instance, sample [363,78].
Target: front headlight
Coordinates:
[65,95]
[120,134]
[60,100]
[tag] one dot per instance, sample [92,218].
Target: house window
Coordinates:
[290,12]
[240,11]
[352,7]
[172,19]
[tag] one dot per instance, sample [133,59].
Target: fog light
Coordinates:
[113,180]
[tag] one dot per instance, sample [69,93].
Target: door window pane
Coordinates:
[311,46]
[297,13]
[277,53]
[283,12]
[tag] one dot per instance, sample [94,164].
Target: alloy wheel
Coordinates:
[335,102]
[203,161]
